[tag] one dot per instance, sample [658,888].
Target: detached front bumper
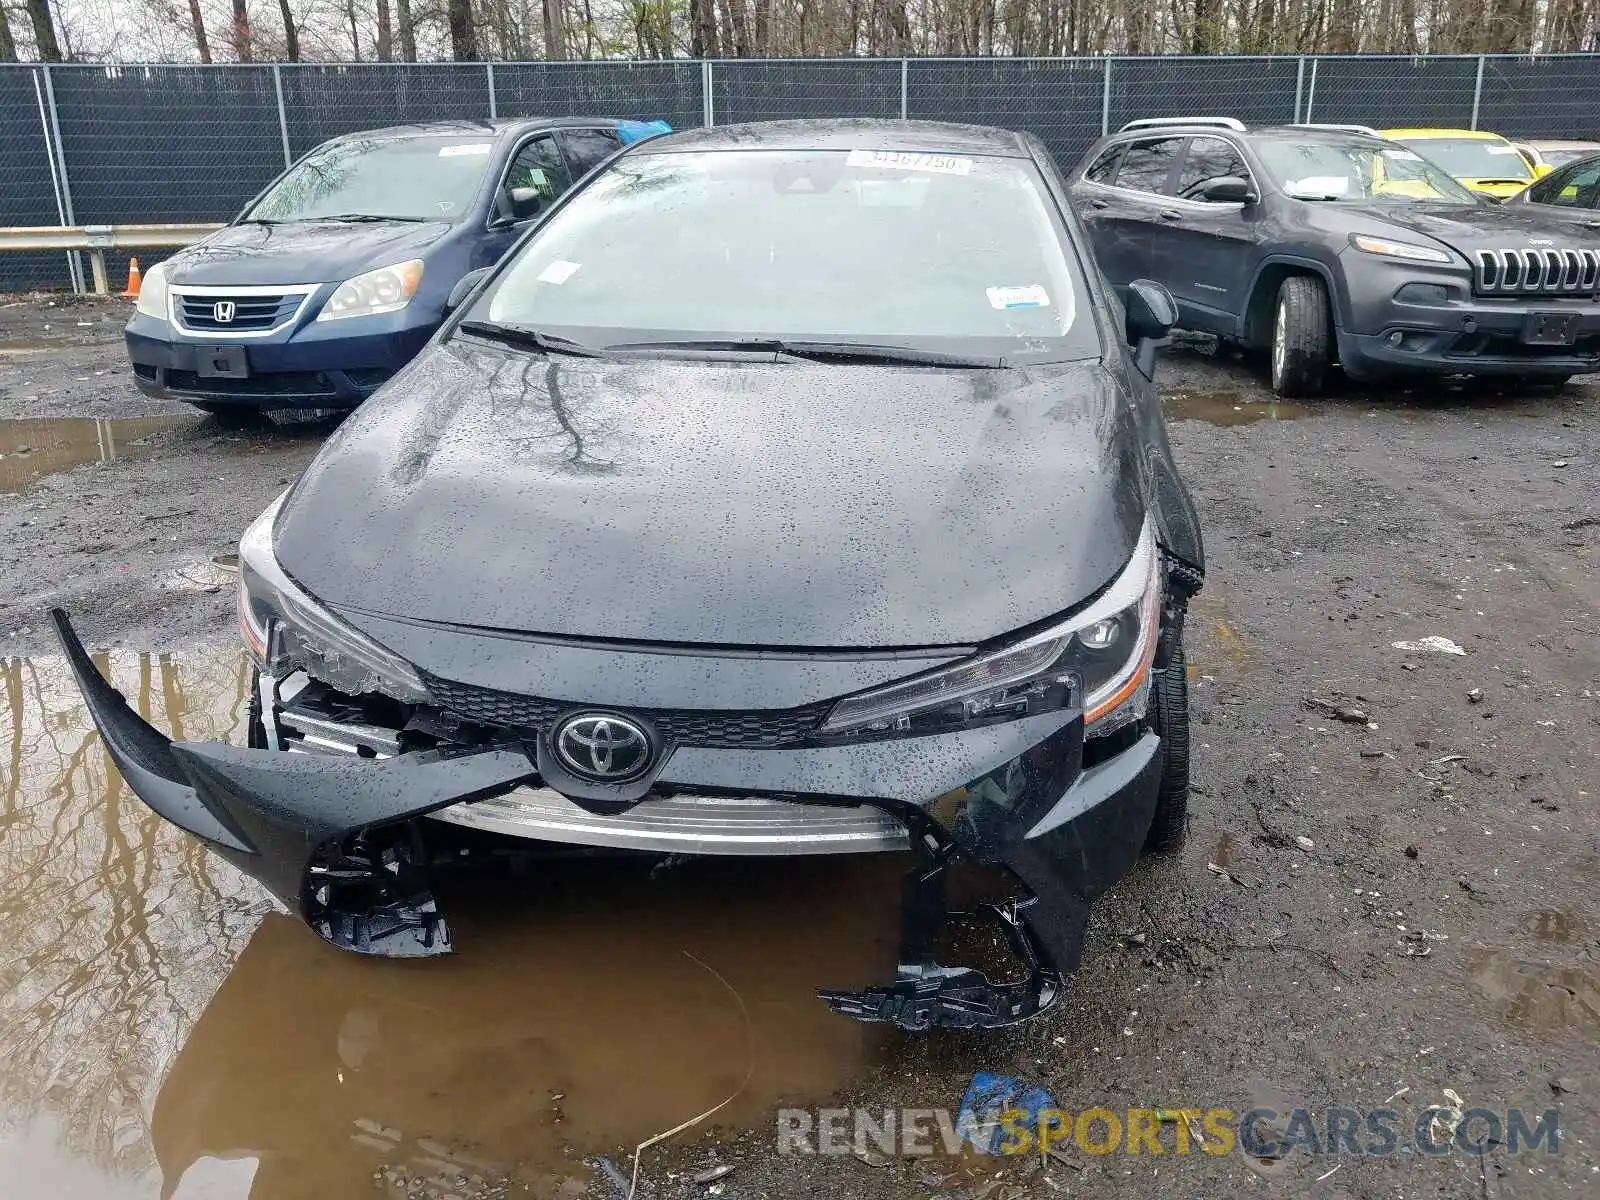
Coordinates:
[337,840]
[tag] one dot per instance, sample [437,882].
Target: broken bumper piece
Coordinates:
[336,840]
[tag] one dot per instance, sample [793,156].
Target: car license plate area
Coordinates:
[1550,329]
[221,362]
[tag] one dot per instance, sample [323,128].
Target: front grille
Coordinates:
[251,313]
[274,383]
[1536,272]
[719,729]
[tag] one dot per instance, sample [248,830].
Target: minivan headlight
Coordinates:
[1098,659]
[388,289]
[152,301]
[285,628]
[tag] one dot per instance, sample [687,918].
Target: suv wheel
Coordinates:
[1301,337]
[1171,704]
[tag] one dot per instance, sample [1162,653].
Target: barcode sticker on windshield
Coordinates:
[464,149]
[900,160]
[1030,296]
[1404,155]
[1492,148]
[559,271]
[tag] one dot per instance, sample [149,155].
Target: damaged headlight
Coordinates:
[1098,659]
[287,629]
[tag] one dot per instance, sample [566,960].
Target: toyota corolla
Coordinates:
[791,488]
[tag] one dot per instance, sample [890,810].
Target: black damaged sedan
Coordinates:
[790,488]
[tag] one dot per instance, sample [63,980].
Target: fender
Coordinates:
[1334,280]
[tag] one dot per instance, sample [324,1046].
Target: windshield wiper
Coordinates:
[362,218]
[523,335]
[821,351]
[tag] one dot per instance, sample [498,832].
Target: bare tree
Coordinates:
[291,35]
[8,44]
[555,33]
[463,34]
[385,40]
[702,29]
[198,21]
[408,30]
[44,30]
[239,32]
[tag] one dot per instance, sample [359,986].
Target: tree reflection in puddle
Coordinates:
[162,1039]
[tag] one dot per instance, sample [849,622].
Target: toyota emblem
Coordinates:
[222,311]
[603,747]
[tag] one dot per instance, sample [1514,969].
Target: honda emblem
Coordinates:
[222,311]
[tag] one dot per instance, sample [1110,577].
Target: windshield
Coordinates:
[1359,169]
[1559,158]
[1474,158]
[408,179]
[937,252]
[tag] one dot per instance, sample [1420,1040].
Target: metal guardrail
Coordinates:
[97,239]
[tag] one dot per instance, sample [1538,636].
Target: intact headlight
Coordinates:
[1409,251]
[1098,659]
[388,289]
[152,301]
[285,628]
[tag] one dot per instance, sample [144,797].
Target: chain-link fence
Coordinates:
[109,145]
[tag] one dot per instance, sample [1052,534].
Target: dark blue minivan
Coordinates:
[338,273]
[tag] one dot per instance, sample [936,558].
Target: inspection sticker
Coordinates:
[463,149]
[901,160]
[559,271]
[1030,296]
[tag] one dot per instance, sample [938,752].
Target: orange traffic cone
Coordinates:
[135,279]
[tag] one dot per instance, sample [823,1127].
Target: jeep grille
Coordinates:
[1537,272]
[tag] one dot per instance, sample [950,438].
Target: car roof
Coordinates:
[1559,143]
[853,133]
[1423,134]
[468,127]
[1181,128]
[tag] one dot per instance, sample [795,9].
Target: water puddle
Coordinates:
[163,1033]
[1227,408]
[31,449]
[1556,998]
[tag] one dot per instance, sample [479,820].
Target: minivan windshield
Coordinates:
[1358,169]
[939,252]
[424,178]
[1474,158]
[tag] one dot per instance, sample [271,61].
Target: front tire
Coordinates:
[1170,705]
[1302,337]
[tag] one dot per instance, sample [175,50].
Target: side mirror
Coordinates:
[1230,189]
[516,204]
[463,288]
[1540,170]
[1151,315]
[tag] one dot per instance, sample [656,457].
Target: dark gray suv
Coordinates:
[1329,245]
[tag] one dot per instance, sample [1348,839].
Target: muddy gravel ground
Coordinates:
[1390,894]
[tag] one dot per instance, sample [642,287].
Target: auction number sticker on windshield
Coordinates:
[901,160]
[559,271]
[464,149]
[1403,155]
[1029,296]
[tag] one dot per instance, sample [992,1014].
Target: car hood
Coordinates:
[749,504]
[1470,227]
[301,252]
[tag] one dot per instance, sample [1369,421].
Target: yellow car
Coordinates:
[1485,162]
